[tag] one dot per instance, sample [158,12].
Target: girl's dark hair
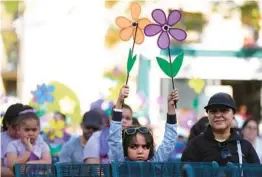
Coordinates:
[12,114]
[123,106]
[60,114]
[198,128]
[129,139]
[127,107]
[135,122]
[27,114]
[249,120]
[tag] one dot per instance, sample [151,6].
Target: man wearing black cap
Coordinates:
[220,142]
[72,151]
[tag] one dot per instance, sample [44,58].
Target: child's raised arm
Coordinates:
[170,137]
[116,152]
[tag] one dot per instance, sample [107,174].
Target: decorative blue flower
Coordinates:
[43,94]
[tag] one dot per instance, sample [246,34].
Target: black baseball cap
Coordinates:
[92,119]
[221,99]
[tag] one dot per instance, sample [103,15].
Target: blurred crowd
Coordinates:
[23,141]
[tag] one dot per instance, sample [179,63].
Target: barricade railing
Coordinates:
[138,169]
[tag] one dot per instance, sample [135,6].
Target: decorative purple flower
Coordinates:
[164,25]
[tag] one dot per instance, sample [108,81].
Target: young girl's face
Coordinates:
[138,149]
[29,129]
[126,118]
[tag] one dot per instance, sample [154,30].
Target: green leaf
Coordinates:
[131,61]
[164,65]
[177,63]
[195,102]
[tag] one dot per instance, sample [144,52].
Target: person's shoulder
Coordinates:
[73,140]
[198,138]
[196,142]
[245,144]
[3,133]
[5,138]
[97,134]
[95,137]
[15,143]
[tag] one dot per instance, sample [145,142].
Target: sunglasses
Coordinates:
[131,131]
[225,152]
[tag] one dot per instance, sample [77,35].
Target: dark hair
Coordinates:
[129,139]
[128,107]
[199,127]
[135,122]
[27,114]
[249,120]
[60,114]
[123,106]
[11,115]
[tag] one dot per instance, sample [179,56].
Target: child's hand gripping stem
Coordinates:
[172,100]
[123,94]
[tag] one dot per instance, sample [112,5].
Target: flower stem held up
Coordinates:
[133,46]
[171,70]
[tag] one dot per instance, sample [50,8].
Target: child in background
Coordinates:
[97,148]
[30,148]
[9,134]
[55,135]
[138,142]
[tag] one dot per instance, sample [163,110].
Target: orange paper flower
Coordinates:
[128,27]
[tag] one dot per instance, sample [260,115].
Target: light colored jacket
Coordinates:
[116,152]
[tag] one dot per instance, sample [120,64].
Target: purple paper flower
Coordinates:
[164,26]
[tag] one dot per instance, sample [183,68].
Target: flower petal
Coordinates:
[50,88]
[163,41]
[178,34]
[159,16]
[139,36]
[143,22]
[38,93]
[123,22]
[49,98]
[152,29]
[111,37]
[110,4]
[126,33]
[174,17]
[135,11]
[41,100]
[43,87]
